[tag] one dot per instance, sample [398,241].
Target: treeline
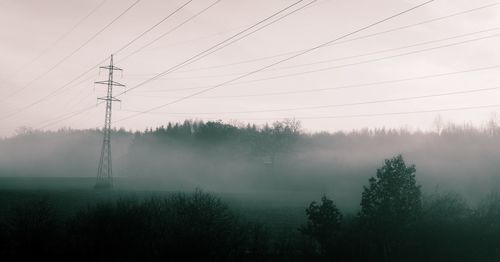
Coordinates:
[394,223]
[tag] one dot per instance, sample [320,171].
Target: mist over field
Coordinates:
[276,158]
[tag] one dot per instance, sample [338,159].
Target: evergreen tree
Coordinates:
[391,205]
[323,224]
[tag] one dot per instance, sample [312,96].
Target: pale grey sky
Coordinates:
[469,42]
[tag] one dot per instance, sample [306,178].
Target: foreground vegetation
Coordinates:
[394,223]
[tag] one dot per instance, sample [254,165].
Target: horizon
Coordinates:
[492,122]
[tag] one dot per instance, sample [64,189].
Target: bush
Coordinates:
[323,225]
[180,226]
[32,231]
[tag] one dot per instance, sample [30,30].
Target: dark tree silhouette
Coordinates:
[487,217]
[390,205]
[323,224]
[445,231]
[189,227]
[32,232]
[217,131]
[278,139]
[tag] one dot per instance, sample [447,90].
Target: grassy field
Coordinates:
[277,211]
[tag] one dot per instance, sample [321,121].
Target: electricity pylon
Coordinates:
[105,171]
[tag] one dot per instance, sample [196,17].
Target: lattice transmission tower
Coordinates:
[105,170]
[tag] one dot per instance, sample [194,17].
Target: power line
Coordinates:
[38,101]
[310,4]
[314,90]
[71,115]
[367,54]
[201,55]
[302,91]
[65,117]
[145,32]
[390,30]
[72,53]
[354,63]
[278,62]
[129,43]
[149,29]
[365,36]
[379,101]
[170,31]
[220,44]
[373,60]
[399,48]
[189,19]
[349,116]
[363,84]
[71,101]
[355,115]
[92,68]
[153,27]
[352,39]
[58,40]
[360,115]
[198,38]
[397,113]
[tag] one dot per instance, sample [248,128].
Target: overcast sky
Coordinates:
[432,57]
